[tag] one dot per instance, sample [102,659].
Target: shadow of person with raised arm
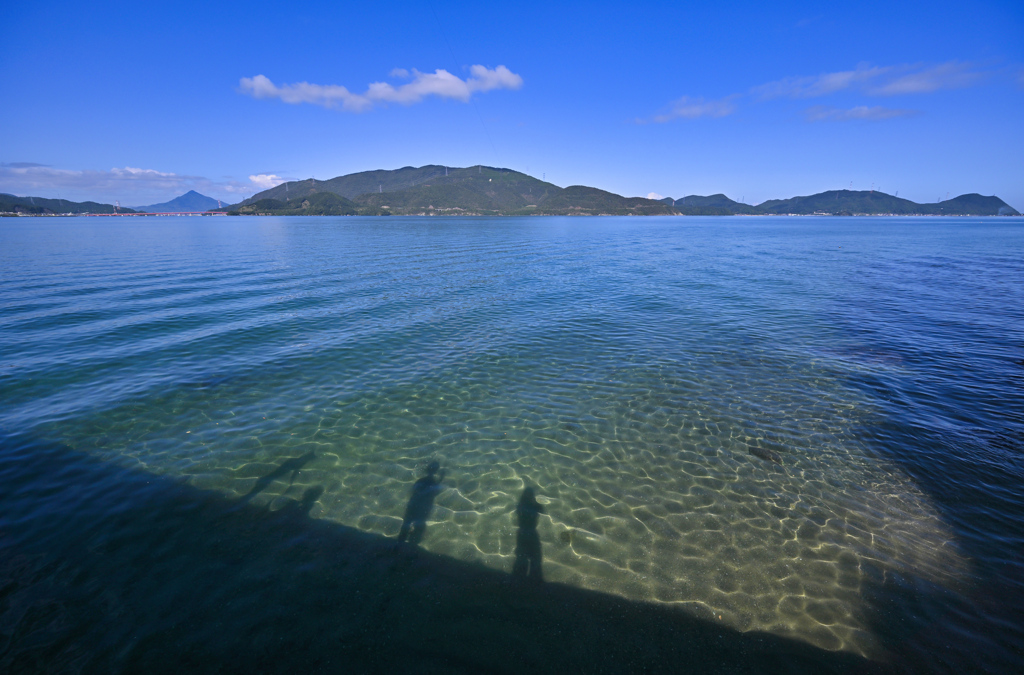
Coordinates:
[421,502]
[528,557]
[292,466]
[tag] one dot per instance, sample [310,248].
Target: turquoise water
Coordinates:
[805,427]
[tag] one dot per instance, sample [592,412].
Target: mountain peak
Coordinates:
[190,201]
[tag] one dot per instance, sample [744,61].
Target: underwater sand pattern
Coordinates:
[647,478]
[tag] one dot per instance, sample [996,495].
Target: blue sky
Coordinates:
[139,103]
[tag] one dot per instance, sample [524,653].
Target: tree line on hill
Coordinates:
[40,206]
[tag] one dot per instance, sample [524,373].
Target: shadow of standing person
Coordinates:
[421,502]
[528,557]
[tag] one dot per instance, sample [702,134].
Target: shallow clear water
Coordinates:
[642,374]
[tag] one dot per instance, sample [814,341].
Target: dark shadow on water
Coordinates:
[303,506]
[421,503]
[964,452]
[289,466]
[110,570]
[528,556]
[977,626]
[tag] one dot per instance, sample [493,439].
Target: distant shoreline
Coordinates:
[502,215]
[479,191]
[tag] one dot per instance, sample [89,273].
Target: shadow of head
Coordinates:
[309,499]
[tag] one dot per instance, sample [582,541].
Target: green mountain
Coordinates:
[841,202]
[713,205]
[316,204]
[48,207]
[190,201]
[582,200]
[483,190]
[864,202]
[353,185]
[437,190]
[972,205]
[476,190]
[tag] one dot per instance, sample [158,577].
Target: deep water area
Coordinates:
[511,444]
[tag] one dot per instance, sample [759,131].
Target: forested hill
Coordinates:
[482,190]
[437,190]
[853,202]
[355,184]
[695,204]
[38,206]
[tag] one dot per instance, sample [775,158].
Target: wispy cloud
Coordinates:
[654,195]
[21,165]
[820,113]
[951,75]
[129,185]
[877,81]
[865,79]
[694,107]
[818,85]
[440,83]
[804,23]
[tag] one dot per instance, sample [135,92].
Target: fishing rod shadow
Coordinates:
[292,466]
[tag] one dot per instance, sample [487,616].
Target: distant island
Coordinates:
[489,191]
[435,190]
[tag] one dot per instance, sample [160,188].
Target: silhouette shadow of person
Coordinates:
[528,557]
[421,502]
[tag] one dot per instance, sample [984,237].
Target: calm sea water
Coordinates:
[808,431]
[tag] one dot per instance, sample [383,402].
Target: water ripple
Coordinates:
[772,423]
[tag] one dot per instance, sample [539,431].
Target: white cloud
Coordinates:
[821,113]
[440,83]
[129,185]
[133,173]
[654,195]
[691,108]
[330,96]
[485,79]
[265,181]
